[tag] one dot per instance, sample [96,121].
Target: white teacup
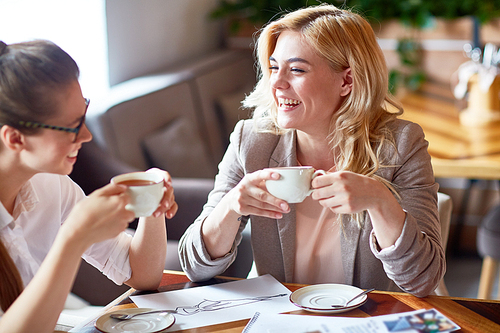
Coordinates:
[145,190]
[294,184]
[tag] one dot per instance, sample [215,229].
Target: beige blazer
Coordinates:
[416,263]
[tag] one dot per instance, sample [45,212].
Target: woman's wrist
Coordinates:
[70,241]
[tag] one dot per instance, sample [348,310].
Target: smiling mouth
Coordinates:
[73,154]
[288,103]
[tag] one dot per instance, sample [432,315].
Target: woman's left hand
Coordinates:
[167,205]
[346,192]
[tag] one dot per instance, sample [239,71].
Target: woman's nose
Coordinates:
[279,81]
[84,135]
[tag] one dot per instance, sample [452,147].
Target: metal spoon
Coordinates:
[124,316]
[352,299]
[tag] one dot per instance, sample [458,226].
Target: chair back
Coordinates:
[445,206]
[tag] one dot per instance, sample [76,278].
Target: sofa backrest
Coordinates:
[217,88]
[176,120]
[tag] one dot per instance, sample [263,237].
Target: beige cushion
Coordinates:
[235,75]
[125,125]
[178,149]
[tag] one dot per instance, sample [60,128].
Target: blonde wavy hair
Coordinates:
[358,129]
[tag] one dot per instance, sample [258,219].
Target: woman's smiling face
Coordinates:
[306,90]
[56,151]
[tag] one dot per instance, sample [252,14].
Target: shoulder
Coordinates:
[248,137]
[410,145]
[255,149]
[407,135]
[50,184]
[401,129]
[407,141]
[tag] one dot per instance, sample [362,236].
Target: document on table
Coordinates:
[419,321]
[224,302]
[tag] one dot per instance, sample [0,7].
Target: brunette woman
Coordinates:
[46,223]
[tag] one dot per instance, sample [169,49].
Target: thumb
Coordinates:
[110,189]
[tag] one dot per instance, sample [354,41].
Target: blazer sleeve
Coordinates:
[416,263]
[194,258]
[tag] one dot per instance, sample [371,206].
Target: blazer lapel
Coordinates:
[285,155]
[349,240]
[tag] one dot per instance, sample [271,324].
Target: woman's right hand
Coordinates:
[250,196]
[100,216]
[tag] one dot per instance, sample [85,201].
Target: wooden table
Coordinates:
[471,314]
[457,151]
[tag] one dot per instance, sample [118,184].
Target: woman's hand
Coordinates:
[100,216]
[167,206]
[250,196]
[347,193]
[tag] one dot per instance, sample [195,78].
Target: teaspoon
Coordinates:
[124,316]
[352,299]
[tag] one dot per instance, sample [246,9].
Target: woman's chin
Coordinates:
[285,124]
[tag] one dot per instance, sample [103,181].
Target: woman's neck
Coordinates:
[314,151]
[12,179]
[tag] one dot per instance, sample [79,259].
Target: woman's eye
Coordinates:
[297,70]
[273,68]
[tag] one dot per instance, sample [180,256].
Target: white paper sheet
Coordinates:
[418,321]
[225,302]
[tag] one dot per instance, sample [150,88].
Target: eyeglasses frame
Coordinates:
[76,130]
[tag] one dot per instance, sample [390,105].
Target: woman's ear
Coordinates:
[346,86]
[12,138]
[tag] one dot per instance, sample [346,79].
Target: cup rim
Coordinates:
[291,167]
[138,175]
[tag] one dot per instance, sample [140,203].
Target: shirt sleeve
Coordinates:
[388,251]
[111,257]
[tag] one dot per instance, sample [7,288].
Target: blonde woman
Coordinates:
[322,100]
[46,223]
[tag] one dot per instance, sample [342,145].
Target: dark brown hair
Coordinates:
[30,74]
[11,284]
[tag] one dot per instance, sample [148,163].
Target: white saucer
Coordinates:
[150,323]
[319,298]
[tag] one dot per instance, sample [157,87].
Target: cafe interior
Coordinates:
[170,91]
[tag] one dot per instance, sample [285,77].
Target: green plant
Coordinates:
[415,14]
[412,12]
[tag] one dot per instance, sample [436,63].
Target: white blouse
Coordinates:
[318,258]
[42,205]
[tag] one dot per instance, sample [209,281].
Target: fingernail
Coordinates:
[284,207]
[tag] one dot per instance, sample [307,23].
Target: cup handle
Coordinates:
[315,174]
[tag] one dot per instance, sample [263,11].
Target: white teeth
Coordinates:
[288,102]
[74,154]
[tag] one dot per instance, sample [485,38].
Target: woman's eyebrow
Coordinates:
[291,60]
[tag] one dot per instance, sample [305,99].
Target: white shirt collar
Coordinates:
[26,201]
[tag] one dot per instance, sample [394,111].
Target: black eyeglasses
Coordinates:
[76,130]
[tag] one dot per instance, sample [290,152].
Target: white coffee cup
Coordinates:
[294,184]
[145,190]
